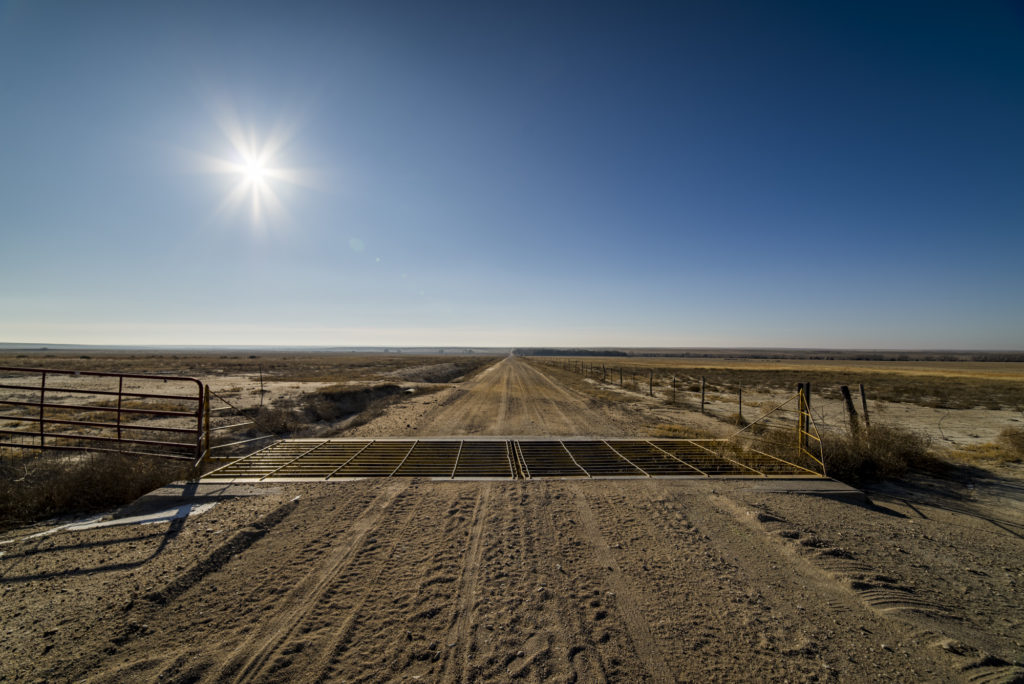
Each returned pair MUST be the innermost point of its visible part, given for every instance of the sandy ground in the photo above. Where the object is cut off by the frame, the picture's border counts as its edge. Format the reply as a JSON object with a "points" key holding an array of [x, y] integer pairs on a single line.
{"points": [[557, 580]]}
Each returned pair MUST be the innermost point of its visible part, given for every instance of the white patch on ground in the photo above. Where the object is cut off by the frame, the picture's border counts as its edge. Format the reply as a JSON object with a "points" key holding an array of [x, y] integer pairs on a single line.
{"points": [[182, 511]]}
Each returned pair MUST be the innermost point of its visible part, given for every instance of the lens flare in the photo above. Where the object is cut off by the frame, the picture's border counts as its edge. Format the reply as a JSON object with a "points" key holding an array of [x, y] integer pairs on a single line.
{"points": [[256, 166]]}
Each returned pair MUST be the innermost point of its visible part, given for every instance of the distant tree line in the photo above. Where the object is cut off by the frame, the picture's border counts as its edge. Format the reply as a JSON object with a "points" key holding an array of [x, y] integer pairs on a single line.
{"points": [[569, 352], [813, 355]]}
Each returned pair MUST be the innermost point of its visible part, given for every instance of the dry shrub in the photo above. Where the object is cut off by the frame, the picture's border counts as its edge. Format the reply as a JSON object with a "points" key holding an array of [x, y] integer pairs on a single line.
{"points": [[880, 453], [1013, 440], [52, 484], [327, 408], [1008, 448], [334, 403], [326, 405], [673, 431]]}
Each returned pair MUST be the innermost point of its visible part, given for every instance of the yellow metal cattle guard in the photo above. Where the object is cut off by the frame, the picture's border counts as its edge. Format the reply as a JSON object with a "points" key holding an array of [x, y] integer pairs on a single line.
{"points": [[454, 458]]}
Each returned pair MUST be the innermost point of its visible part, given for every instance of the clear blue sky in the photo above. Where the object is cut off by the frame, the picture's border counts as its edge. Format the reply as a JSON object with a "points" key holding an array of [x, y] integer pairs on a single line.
{"points": [[513, 173]]}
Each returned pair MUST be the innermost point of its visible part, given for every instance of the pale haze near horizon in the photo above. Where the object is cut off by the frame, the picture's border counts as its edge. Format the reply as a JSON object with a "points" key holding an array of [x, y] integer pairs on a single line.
{"points": [[841, 175]]}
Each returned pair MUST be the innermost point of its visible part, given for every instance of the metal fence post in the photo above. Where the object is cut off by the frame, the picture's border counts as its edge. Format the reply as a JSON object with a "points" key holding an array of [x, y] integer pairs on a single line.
{"points": [[42, 403], [120, 396], [199, 423], [207, 411], [799, 414]]}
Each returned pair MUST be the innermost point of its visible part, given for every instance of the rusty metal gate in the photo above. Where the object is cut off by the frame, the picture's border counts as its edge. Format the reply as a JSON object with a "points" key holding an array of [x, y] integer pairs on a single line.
{"points": [[43, 409]]}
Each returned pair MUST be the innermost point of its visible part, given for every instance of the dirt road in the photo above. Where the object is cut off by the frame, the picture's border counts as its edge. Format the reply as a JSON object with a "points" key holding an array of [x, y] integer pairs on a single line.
{"points": [[549, 580], [511, 397]]}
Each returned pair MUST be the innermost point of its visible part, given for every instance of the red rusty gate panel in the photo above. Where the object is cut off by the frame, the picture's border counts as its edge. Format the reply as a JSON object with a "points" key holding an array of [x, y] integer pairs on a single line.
{"points": [[45, 409]]}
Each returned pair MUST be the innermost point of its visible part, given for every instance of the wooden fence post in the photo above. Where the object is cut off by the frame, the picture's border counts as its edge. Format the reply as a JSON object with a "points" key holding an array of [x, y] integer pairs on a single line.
{"points": [[851, 412], [702, 384], [740, 392], [673, 389], [650, 386], [864, 405], [620, 376]]}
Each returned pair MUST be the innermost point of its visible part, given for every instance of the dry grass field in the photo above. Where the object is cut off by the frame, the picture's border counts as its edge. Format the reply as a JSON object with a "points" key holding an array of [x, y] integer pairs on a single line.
{"points": [[957, 406], [410, 579]]}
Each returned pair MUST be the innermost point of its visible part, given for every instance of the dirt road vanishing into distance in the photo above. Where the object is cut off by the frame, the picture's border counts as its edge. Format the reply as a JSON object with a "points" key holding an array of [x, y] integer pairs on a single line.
{"points": [[511, 397], [547, 580]]}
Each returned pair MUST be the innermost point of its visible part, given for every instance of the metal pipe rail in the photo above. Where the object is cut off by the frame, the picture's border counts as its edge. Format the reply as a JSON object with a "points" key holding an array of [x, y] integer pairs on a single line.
{"points": [[125, 432]]}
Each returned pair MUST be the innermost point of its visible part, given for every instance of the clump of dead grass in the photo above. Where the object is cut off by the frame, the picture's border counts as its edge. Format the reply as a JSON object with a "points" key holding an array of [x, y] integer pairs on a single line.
{"points": [[54, 484], [737, 419], [1013, 440], [1007, 448], [879, 453], [673, 431]]}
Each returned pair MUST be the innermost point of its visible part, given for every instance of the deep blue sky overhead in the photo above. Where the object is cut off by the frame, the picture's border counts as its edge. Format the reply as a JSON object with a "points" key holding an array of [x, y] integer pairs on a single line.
{"points": [[513, 173]]}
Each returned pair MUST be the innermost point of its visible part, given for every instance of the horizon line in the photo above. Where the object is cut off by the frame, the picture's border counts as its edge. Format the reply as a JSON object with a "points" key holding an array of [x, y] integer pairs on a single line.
{"points": [[46, 346]]}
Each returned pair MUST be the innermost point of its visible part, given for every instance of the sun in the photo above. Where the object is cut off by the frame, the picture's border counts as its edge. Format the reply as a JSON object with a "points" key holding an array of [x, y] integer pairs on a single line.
{"points": [[254, 165], [254, 171]]}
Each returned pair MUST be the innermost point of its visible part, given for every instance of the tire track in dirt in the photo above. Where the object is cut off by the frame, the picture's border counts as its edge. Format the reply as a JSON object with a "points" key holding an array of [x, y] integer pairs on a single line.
{"points": [[323, 669], [530, 621], [244, 664], [506, 636], [467, 593], [587, 606], [406, 617], [925, 621], [626, 596], [800, 606], [620, 427], [222, 554], [546, 397], [534, 413], [577, 421], [504, 400], [160, 644], [882, 593], [693, 599], [482, 404]]}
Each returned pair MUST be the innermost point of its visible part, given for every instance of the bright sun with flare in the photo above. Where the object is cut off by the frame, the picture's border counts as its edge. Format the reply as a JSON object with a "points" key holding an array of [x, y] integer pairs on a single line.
{"points": [[254, 171], [257, 176]]}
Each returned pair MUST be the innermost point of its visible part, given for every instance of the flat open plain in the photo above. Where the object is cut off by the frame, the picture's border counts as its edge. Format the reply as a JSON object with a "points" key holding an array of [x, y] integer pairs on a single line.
{"points": [[544, 580]]}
